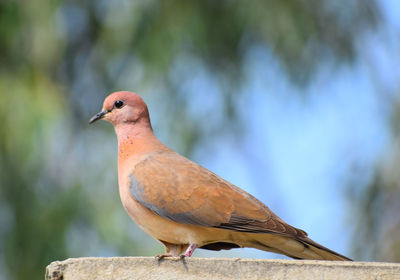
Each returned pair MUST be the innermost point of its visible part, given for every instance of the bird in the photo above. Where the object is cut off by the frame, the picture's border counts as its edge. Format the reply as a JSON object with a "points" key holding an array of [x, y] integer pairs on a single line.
{"points": [[186, 206]]}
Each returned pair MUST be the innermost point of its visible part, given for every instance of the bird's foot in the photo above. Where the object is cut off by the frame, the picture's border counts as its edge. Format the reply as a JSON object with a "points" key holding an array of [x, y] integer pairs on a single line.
{"points": [[189, 251], [161, 256]]}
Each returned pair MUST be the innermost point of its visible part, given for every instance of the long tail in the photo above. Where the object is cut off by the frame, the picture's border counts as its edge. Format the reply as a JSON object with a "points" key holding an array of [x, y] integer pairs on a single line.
{"points": [[325, 253], [296, 247]]}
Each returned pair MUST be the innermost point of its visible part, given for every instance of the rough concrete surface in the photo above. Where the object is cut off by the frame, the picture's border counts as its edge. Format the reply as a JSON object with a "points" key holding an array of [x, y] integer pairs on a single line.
{"points": [[208, 268]]}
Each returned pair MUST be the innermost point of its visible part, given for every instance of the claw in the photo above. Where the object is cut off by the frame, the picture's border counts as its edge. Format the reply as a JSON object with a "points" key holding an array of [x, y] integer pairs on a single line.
{"points": [[161, 256]]}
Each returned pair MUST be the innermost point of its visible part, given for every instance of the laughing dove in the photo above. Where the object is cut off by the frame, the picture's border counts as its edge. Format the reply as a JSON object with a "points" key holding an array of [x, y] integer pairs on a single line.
{"points": [[184, 205]]}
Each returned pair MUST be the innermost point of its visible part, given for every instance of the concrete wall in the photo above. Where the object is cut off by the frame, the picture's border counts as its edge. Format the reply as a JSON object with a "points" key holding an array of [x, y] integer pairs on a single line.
{"points": [[199, 268]]}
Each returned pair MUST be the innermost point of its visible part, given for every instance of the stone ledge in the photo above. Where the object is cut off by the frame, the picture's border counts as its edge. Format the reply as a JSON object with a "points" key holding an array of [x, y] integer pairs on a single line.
{"points": [[215, 268]]}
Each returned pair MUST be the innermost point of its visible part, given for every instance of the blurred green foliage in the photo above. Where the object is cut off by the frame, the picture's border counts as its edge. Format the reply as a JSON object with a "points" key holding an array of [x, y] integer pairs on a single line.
{"points": [[58, 59], [377, 207]]}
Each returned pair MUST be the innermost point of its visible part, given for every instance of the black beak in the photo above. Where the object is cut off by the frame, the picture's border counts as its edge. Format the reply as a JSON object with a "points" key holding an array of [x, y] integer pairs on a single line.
{"points": [[98, 116]]}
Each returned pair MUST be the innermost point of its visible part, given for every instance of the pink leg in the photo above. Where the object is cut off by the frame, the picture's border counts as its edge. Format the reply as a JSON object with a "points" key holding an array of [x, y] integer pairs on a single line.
{"points": [[190, 250]]}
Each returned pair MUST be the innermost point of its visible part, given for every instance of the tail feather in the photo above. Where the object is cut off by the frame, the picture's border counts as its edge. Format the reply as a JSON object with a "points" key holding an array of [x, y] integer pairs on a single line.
{"points": [[296, 247], [325, 253]]}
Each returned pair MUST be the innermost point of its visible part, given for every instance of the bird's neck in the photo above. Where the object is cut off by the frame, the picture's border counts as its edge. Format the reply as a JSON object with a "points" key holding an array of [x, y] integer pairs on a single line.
{"points": [[136, 140]]}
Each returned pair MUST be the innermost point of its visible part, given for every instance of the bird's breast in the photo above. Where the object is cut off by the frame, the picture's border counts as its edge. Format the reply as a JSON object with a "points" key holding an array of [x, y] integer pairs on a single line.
{"points": [[153, 224]]}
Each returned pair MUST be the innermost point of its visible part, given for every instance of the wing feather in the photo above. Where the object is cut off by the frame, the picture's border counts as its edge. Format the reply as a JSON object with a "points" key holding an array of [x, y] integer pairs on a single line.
{"points": [[185, 192]]}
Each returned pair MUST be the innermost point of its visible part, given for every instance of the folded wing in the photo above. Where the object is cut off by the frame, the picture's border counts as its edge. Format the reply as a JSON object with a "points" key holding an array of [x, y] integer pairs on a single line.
{"points": [[184, 192]]}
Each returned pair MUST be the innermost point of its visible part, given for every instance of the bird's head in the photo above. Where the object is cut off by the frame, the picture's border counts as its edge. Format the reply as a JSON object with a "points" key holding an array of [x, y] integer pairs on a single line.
{"points": [[122, 107]]}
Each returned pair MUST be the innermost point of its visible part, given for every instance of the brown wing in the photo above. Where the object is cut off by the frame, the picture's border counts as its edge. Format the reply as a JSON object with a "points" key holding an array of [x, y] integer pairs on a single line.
{"points": [[183, 191]]}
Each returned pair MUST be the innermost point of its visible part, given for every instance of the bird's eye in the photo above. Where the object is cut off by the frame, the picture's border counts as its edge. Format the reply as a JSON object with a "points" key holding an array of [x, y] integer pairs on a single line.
{"points": [[118, 104]]}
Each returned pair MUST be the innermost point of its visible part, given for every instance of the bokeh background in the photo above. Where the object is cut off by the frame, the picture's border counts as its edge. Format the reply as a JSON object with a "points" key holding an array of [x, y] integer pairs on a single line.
{"points": [[297, 102]]}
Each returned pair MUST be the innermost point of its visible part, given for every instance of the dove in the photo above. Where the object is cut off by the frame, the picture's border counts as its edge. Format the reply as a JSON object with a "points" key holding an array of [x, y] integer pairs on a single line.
{"points": [[186, 206]]}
